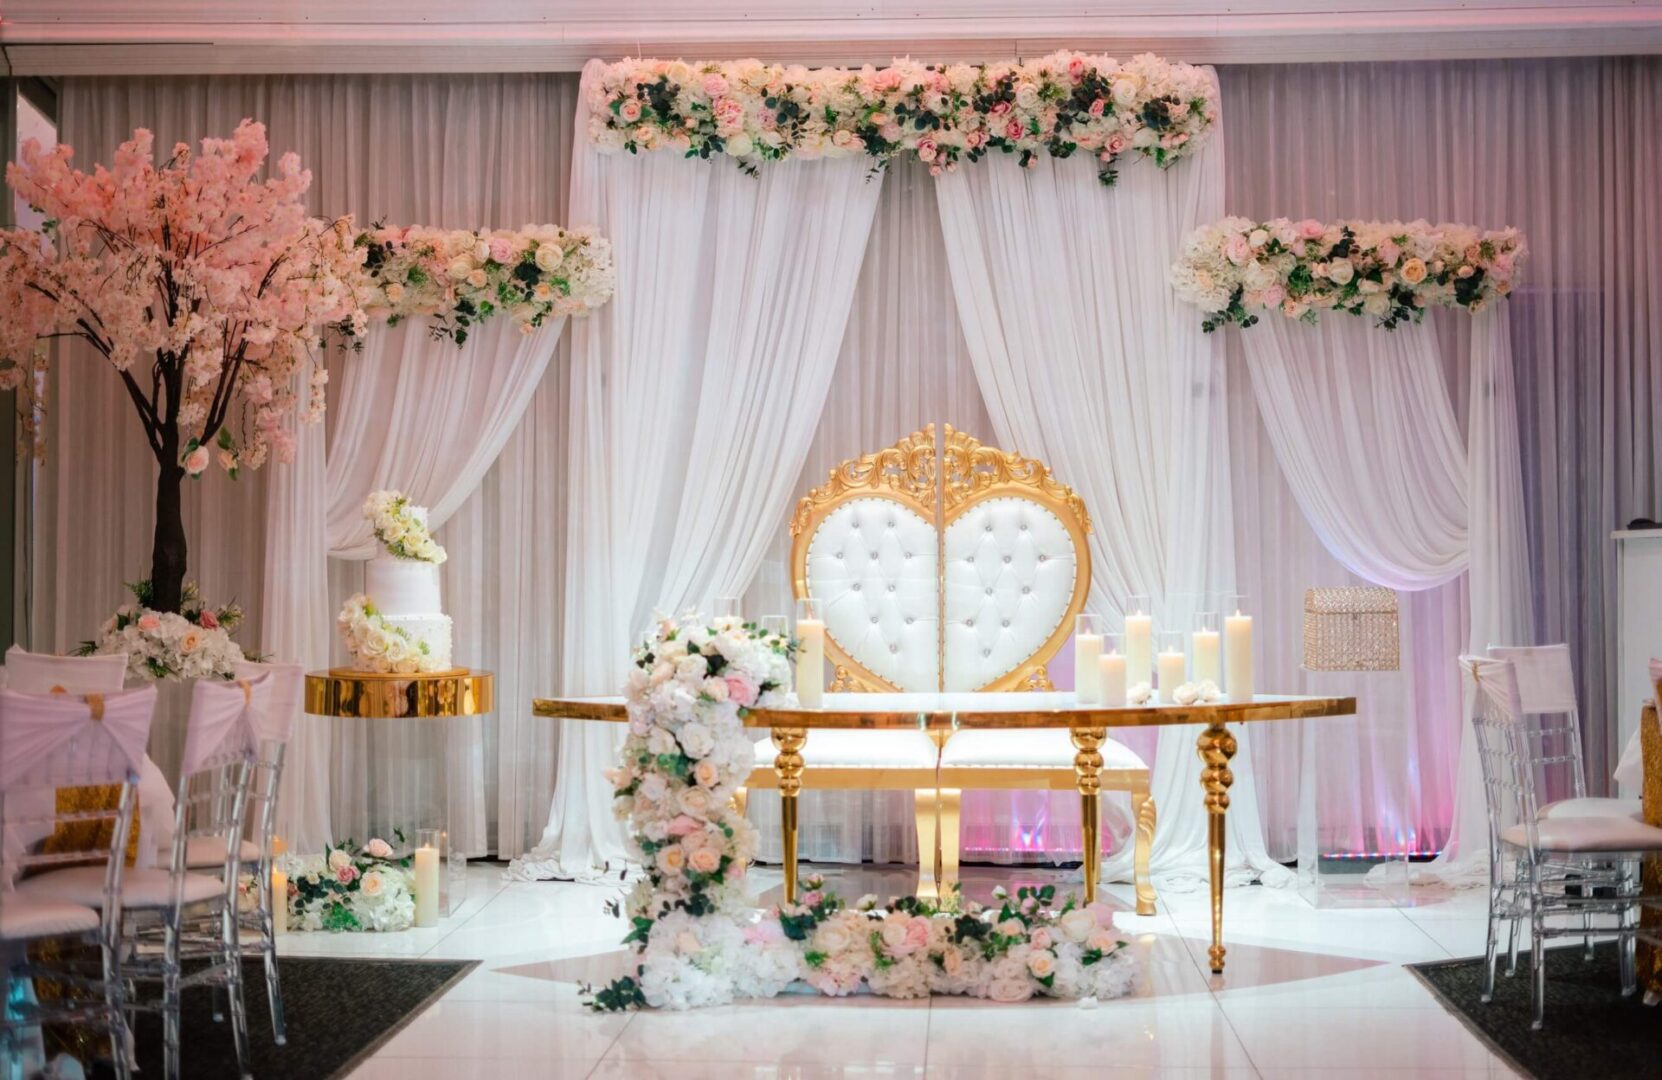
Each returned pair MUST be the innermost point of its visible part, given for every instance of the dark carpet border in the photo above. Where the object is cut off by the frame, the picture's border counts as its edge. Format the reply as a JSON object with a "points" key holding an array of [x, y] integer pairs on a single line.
{"points": [[1465, 1020], [352, 1063]]}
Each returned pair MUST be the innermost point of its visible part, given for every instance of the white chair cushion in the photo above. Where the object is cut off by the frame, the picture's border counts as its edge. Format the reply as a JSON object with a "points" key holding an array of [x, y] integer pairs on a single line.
{"points": [[1050, 748], [139, 888], [1565, 809], [204, 852], [22, 919], [871, 563], [1589, 834], [859, 750], [1010, 569]]}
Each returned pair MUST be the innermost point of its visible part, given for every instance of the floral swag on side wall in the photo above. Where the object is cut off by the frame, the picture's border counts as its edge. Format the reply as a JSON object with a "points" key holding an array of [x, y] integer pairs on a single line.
{"points": [[1390, 271], [943, 113], [699, 936]]}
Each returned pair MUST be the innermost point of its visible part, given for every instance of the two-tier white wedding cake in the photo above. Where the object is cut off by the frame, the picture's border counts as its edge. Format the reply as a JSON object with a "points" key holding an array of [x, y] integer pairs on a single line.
{"points": [[398, 624]]}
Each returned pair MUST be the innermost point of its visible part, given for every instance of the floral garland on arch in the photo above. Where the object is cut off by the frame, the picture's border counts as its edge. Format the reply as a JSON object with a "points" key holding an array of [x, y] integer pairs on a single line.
{"points": [[943, 113], [700, 938], [1390, 271]]}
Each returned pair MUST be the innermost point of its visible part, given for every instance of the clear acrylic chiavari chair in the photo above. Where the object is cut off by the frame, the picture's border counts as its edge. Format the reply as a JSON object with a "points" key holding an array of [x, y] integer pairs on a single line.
{"points": [[51, 741], [1543, 868]]}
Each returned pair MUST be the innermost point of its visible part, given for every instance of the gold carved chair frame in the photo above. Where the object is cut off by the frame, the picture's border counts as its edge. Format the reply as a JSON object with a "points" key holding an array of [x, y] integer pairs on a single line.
{"points": [[940, 483]]}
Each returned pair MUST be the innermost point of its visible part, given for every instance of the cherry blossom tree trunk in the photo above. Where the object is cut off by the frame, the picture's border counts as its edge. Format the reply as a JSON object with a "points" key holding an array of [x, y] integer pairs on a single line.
{"points": [[168, 549]]}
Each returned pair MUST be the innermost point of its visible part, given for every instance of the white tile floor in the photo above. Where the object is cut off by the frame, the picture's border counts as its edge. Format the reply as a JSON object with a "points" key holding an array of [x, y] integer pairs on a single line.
{"points": [[1308, 993]]}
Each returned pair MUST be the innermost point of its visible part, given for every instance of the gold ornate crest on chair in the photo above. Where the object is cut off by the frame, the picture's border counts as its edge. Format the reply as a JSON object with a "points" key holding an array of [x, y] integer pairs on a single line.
{"points": [[965, 576]]}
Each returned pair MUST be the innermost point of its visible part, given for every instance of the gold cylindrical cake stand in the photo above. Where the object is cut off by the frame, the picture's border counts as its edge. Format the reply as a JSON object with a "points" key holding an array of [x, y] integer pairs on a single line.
{"points": [[368, 695]]}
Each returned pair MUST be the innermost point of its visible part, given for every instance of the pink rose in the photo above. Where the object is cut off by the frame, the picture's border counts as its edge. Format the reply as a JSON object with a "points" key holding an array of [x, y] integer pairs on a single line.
{"points": [[926, 150], [629, 111], [1274, 295], [714, 84], [917, 933], [812, 899], [1310, 229], [1389, 253], [999, 110], [502, 249], [766, 932], [1012, 130], [1098, 107], [1104, 914], [1040, 938], [196, 461], [683, 825], [149, 622], [346, 875], [1076, 67], [1116, 143], [741, 691], [207, 620], [1238, 250], [378, 848]]}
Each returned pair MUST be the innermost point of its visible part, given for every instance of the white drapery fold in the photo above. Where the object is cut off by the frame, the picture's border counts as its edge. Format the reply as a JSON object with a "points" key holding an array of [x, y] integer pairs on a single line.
{"points": [[695, 396], [427, 418], [1087, 361], [1365, 432]]}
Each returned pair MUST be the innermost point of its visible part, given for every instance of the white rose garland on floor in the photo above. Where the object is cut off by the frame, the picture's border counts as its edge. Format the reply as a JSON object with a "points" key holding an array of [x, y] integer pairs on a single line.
{"points": [[1390, 271], [348, 888], [702, 941], [943, 113]]}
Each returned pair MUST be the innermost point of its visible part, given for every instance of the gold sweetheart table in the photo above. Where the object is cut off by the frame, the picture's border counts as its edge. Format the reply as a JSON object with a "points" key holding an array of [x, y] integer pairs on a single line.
{"points": [[942, 713]]}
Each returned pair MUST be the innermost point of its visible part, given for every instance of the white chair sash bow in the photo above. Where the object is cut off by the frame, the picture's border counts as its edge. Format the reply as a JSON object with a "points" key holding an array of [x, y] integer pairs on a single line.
{"points": [[57, 740], [226, 721]]}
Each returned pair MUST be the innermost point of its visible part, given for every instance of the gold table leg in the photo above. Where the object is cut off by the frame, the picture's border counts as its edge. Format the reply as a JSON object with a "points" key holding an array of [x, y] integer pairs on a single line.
{"points": [[1087, 767], [787, 763], [1216, 746]]}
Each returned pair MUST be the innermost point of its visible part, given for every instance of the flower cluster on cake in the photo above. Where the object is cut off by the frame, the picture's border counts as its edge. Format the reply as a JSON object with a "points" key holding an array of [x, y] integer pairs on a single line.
{"points": [[397, 624]]}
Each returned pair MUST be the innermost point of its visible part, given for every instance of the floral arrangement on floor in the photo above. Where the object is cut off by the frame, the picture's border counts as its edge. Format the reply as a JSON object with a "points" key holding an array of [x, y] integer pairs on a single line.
{"points": [[459, 278], [402, 528], [350, 888], [943, 113], [194, 643], [377, 645], [702, 941], [1390, 271]]}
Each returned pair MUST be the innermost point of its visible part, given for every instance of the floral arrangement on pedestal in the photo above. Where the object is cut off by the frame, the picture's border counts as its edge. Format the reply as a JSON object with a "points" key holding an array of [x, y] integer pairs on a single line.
{"points": [[350, 888], [377, 645], [209, 291], [943, 113], [194, 643], [401, 527], [702, 941], [1390, 271]]}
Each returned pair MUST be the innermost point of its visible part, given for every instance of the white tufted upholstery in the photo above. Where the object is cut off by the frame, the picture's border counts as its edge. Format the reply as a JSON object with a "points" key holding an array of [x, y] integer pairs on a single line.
{"points": [[24, 920], [139, 888], [1049, 748], [1010, 567], [859, 750], [872, 564]]}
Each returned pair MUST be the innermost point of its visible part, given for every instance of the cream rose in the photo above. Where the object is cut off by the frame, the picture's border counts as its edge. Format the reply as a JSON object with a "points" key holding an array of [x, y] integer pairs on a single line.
{"points": [[695, 801], [372, 883], [704, 774], [1413, 271], [672, 860], [339, 860], [1077, 924], [705, 860], [1042, 964], [460, 267], [1340, 271]]}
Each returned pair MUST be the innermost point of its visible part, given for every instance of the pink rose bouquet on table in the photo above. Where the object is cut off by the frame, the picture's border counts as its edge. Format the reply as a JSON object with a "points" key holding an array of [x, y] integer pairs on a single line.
{"points": [[193, 643]]}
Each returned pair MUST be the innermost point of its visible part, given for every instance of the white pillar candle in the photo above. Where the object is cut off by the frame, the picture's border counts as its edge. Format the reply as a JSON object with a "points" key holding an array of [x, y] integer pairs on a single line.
{"points": [[1111, 678], [279, 902], [1087, 685], [427, 886], [1206, 656], [810, 663], [1139, 648], [1171, 674], [1237, 656]]}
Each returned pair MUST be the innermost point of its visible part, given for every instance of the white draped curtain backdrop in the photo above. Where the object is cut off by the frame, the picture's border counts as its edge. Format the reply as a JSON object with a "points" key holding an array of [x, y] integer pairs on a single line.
{"points": [[1491, 143]]}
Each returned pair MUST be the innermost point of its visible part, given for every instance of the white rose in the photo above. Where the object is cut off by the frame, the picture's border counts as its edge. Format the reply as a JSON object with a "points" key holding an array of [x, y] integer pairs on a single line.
{"points": [[1125, 89], [481, 251], [831, 937], [372, 883], [1101, 940], [459, 268], [739, 144], [1077, 924], [1009, 991], [660, 742], [1258, 238], [1340, 271], [1027, 95], [547, 258], [894, 932], [1144, 138], [690, 667], [339, 860], [1042, 964], [697, 740], [1377, 304], [695, 801]]}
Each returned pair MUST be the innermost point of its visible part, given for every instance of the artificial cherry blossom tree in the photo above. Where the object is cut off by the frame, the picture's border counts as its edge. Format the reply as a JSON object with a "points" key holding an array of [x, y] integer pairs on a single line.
{"points": [[206, 289], [209, 291]]}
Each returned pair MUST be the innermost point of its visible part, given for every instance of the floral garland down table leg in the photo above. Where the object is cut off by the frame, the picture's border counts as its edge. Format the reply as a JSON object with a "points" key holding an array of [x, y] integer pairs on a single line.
{"points": [[702, 941]]}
